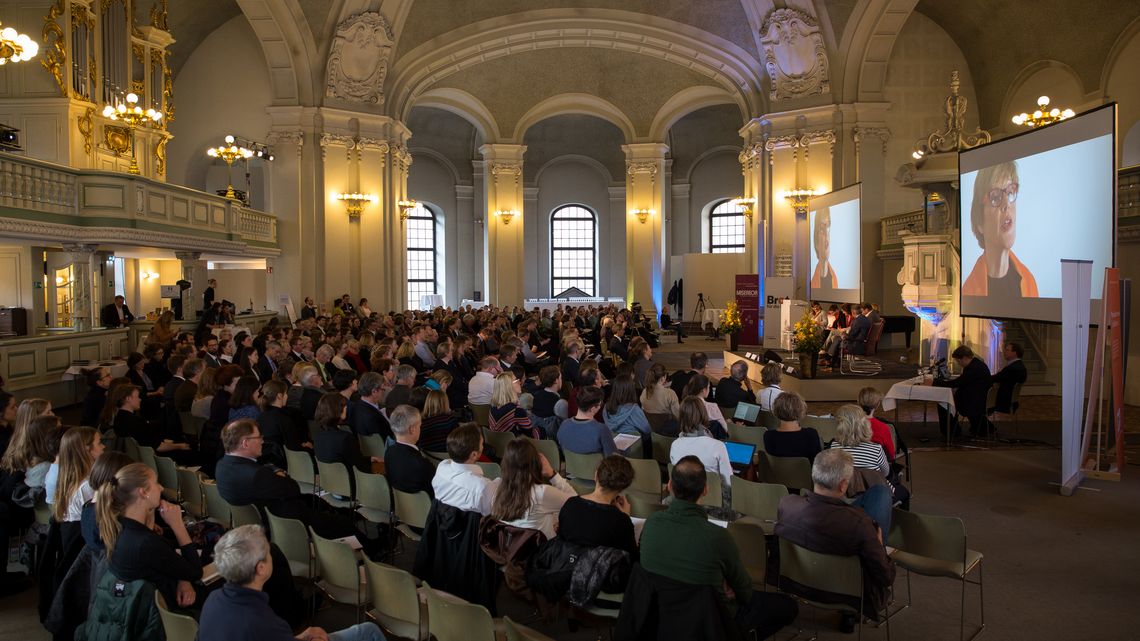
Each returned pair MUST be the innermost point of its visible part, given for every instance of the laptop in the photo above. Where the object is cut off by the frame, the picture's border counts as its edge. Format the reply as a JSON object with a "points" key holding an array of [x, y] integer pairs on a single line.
{"points": [[740, 455], [747, 413]]}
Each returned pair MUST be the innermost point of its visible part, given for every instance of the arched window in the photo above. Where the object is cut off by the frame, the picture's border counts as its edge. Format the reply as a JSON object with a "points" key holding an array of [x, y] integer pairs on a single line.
{"points": [[726, 228], [421, 226], [573, 253]]}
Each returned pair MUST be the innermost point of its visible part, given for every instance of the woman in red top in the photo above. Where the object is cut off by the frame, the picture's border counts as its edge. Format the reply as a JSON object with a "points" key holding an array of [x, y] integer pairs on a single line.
{"points": [[869, 399]]}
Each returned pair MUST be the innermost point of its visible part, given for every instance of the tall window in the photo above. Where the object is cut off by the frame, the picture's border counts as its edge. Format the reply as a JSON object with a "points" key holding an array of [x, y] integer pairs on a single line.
{"points": [[421, 254], [726, 229], [573, 242]]}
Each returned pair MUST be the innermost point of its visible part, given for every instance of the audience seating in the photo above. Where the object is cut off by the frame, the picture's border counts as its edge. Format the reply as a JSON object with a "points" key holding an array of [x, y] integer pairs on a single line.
{"points": [[481, 414], [838, 575], [339, 573], [646, 479], [374, 497], [190, 491], [899, 453], [245, 515], [300, 468], [335, 481], [760, 501], [167, 477], [714, 497], [490, 470], [550, 450], [452, 619], [643, 507], [749, 539], [767, 419], [412, 511], [191, 425], [216, 507], [515, 632], [1014, 404], [827, 426], [793, 472], [292, 537], [373, 445], [498, 441], [936, 546], [661, 446], [657, 422], [178, 627], [396, 605], [131, 448], [147, 456], [747, 434]]}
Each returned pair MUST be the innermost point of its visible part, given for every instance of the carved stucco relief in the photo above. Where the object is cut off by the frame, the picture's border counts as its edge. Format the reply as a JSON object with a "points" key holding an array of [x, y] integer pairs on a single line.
{"points": [[794, 55], [358, 60]]}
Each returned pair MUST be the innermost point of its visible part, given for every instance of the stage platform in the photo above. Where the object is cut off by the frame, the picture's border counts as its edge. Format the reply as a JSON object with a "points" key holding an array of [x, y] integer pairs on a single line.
{"points": [[828, 386]]}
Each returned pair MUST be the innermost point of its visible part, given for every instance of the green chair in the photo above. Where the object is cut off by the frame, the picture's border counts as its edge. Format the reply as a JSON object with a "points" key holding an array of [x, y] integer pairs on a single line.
{"points": [[412, 511], [451, 619], [825, 425], [481, 414], [747, 434], [790, 471], [131, 448], [373, 445], [167, 477], [549, 449], [374, 496], [395, 601], [190, 489], [498, 441], [661, 446], [217, 508], [191, 425], [490, 470], [646, 479], [515, 632], [582, 466], [335, 480], [823, 573], [643, 507], [339, 572], [299, 467], [749, 539], [936, 546], [767, 419], [292, 537], [178, 627], [760, 501], [147, 457], [245, 515]]}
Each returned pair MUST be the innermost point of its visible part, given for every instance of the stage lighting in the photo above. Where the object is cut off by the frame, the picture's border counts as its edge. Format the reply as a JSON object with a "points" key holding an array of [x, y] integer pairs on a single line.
{"points": [[9, 138]]}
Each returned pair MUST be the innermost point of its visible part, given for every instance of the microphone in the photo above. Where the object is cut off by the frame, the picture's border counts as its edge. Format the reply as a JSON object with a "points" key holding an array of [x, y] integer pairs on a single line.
{"points": [[941, 361]]}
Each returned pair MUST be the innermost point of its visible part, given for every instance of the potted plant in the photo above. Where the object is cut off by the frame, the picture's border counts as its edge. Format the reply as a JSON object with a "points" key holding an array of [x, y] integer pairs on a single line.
{"points": [[730, 324], [807, 340]]}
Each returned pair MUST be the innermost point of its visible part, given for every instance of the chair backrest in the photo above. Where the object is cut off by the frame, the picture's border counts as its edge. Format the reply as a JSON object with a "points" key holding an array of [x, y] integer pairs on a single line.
{"points": [[245, 515], [749, 539], [582, 466], [767, 419], [178, 627], [839, 575], [292, 537], [216, 507], [641, 507], [790, 471], [747, 434], [336, 563], [412, 509], [313, 428], [714, 497], [392, 592], [937, 537], [661, 446], [658, 422], [299, 466], [373, 445], [1015, 402], [481, 414], [827, 426], [549, 449], [450, 619], [334, 478], [516, 632], [498, 441], [491, 470], [147, 457], [646, 476], [167, 477], [190, 489], [191, 425], [873, 336], [131, 447], [372, 491], [759, 500]]}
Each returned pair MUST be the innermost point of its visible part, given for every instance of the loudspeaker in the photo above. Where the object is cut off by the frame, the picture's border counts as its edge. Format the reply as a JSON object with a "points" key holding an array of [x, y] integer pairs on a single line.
{"points": [[769, 355]]}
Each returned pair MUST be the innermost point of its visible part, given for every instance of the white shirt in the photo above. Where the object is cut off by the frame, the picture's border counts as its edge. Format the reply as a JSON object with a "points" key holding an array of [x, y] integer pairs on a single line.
{"points": [[480, 387], [767, 396], [713, 410], [546, 502], [463, 487], [75, 504], [713, 454]]}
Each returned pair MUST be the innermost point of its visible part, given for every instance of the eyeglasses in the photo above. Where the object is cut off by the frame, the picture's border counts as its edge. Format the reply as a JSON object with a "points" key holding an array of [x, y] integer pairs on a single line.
{"points": [[1002, 197]]}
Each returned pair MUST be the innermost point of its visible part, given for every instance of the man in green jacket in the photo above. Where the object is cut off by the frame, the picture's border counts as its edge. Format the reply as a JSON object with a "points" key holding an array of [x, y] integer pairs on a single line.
{"points": [[682, 545]]}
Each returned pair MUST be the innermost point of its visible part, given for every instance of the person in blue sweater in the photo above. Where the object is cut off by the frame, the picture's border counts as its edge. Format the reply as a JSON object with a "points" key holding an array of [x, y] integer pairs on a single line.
{"points": [[624, 416]]}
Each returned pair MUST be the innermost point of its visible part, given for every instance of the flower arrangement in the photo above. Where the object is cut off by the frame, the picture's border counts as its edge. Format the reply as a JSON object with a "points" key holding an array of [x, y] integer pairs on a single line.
{"points": [[730, 318], [807, 337]]}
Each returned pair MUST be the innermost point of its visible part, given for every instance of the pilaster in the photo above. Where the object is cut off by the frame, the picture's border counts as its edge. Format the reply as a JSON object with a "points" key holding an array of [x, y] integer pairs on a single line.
{"points": [[503, 180], [645, 185], [193, 270], [81, 259]]}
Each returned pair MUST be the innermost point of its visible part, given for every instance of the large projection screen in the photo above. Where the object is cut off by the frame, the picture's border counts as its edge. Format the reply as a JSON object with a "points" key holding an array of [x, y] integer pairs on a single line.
{"points": [[1027, 203], [835, 274]]}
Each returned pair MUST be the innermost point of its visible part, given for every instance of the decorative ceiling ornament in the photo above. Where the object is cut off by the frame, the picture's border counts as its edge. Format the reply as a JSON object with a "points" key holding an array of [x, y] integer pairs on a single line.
{"points": [[358, 60], [954, 137], [795, 56]]}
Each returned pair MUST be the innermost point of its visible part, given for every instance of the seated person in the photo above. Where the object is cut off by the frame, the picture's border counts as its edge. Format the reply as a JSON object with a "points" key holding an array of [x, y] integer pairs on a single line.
{"points": [[530, 493], [658, 397], [855, 339], [583, 434], [699, 386], [698, 362], [971, 389], [458, 481], [436, 422], [364, 413], [601, 518], [869, 399], [1013, 374], [735, 388], [240, 612], [822, 521], [681, 544], [546, 398], [853, 434], [789, 439], [624, 416], [407, 469], [505, 414], [695, 440], [770, 376], [334, 445]]}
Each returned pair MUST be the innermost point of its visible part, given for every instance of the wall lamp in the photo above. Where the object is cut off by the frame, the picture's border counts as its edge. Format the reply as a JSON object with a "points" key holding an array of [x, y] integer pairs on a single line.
{"points": [[506, 215], [747, 206], [405, 207], [354, 204], [642, 214], [799, 199]]}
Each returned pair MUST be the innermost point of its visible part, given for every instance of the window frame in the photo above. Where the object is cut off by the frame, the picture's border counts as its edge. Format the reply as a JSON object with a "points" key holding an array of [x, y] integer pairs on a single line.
{"points": [[593, 249], [430, 216], [729, 248]]}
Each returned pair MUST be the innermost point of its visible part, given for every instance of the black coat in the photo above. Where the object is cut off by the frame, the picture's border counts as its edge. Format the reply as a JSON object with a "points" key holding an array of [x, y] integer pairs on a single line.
{"points": [[110, 316], [244, 482], [407, 469], [310, 396], [971, 388], [1006, 379], [450, 559], [657, 607], [570, 369], [281, 429], [729, 392], [366, 420], [857, 335]]}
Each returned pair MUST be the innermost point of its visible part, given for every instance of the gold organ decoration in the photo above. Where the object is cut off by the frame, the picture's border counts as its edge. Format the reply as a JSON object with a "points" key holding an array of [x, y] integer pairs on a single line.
{"points": [[133, 116], [160, 156], [158, 15], [86, 127], [55, 58]]}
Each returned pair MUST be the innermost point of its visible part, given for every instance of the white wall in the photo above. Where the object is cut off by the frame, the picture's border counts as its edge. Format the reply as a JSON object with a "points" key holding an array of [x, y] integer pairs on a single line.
{"points": [[715, 177], [713, 275], [239, 286]]}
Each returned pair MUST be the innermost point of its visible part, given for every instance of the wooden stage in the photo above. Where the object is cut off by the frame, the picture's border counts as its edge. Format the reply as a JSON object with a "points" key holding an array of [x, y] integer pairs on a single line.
{"points": [[831, 387]]}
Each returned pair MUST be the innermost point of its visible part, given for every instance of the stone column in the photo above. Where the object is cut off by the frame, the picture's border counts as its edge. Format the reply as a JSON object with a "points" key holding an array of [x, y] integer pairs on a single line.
{"points": [[758, 199], [505, 234], [81, 259], [645, 187], [468, 234], [194, 270]]}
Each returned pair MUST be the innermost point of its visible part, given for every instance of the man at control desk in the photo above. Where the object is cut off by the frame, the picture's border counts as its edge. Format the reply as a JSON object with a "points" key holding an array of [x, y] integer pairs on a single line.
{"points": [[1010, 376], [970, 391]]}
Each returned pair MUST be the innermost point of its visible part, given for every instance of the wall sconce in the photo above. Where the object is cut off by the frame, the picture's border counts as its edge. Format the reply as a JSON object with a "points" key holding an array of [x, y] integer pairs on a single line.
{"points": [[746, 205], [405, 207], [354, 204], [799, 199], [506, 215], [642, 214]]}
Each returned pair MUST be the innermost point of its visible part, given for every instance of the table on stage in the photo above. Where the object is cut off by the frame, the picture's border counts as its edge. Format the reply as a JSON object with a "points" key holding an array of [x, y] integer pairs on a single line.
{"points": [[712, 316], [429, 302], [912, 389]]}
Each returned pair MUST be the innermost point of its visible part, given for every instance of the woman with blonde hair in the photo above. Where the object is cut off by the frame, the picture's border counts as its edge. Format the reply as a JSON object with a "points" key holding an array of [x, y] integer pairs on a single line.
{"points": [[506, 415], [18, 457], [163, 331], [658, 397], [437, 421], [853, 434], [77, 453], [204, 397]]}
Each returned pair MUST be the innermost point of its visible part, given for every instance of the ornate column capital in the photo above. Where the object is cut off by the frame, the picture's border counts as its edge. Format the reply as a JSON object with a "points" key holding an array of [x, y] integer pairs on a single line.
{"points": [[188, 256]]}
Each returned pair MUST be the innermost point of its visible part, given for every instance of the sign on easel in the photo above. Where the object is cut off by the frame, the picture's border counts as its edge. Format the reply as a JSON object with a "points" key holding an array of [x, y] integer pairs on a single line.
{"points": [[1076, 285]]}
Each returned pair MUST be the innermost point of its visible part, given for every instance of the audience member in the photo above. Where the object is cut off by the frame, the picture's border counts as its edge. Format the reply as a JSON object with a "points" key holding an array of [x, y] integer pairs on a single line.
{"points": [[698, 362], [458, 481], [582, 433], [869, 399], [623, 415], [735, 388], [406, 467], [1010, 376], [789, 439], [770, 376], [530, 493], [695, 440], [658, 397], [505, 414], [437, 422], [601, 518], [971, 388]]}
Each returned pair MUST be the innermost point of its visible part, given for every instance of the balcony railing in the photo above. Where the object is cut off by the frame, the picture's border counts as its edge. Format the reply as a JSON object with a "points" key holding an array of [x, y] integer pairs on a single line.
{"points": [[90, 198], [913, 221]]}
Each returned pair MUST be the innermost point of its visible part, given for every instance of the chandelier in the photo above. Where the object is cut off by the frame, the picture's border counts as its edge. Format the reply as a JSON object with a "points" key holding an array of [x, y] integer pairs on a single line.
{"points": [[230, 153], [1043, 115], [133, 116], [16, 47]]}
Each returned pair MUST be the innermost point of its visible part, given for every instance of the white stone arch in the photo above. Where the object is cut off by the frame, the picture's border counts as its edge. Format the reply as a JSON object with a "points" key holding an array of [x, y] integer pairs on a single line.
{"points": [[592, 163], [728, 64], [290, 52], [443, 161], [462, 104], [687, 101], [575, 103], [867, 41]]}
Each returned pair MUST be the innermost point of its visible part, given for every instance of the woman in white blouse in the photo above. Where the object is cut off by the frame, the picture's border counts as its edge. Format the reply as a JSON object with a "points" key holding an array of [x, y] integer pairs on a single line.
{"points": [[77, 453], [695, 440], [529, 493], [770, 378], [699, 386]]}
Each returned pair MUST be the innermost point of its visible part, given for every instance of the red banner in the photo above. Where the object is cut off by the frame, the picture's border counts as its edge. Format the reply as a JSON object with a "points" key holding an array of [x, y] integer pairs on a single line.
{"points": [[748, 302], [1116, 353]]}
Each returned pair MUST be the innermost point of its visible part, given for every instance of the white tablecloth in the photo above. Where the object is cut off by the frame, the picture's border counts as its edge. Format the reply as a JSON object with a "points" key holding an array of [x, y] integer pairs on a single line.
{"points": [[913, 390], [429, 302], [475, 304], [712, 316], [118, 369]]}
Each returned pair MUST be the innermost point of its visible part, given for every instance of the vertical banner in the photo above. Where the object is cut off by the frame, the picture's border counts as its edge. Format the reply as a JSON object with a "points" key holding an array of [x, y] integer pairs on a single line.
{"points": [[748, 302], [1116, 351], [1076, 285]]}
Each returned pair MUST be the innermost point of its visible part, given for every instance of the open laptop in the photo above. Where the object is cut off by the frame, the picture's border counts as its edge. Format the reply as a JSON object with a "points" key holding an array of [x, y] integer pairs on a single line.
{"points": [[740, 455], [747, 413]]}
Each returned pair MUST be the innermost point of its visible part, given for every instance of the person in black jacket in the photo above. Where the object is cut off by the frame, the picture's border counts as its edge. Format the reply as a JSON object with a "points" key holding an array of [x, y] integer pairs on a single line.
{"points": [[281, 427], [117, 314], [698, 361], [970, 391], [735, 388], [364, 415], [128, 423], [1013, 374], [407, 469], [98, 380], [334, 445]]}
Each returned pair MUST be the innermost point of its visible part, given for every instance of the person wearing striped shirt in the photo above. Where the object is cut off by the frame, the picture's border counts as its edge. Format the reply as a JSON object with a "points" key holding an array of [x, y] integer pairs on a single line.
{"points": [[853, 435]]}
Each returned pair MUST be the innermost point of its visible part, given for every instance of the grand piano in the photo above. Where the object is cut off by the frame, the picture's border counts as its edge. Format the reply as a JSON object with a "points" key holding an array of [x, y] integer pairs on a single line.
{"points": [[899, 324]]}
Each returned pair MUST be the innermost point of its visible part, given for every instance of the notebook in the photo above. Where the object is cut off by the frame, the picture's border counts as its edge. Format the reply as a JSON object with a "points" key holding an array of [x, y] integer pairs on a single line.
{"points": [[746, 412], [625, 441], [740, 454]]}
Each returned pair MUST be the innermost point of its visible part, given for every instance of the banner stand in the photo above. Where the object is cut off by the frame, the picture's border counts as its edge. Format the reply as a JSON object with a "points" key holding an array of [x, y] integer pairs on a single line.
{"points": [[1076, 285], [1110, 331]]}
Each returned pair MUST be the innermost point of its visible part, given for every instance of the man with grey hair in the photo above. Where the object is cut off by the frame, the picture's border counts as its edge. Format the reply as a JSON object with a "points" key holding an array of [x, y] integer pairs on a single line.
{"points": [[240, 611], [323, 360], [401, 392], [735, 388], [822, 521], [364, 416], [404, 464]]}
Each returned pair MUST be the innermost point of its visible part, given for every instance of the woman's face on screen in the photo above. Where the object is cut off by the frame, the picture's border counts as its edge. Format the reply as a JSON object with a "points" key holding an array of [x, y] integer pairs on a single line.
{"points": [[823, 237], [1000, 224]]}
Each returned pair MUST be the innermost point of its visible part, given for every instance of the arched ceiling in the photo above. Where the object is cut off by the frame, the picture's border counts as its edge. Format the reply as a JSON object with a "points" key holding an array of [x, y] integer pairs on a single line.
{"points": [[574, 135], [191, 22]]}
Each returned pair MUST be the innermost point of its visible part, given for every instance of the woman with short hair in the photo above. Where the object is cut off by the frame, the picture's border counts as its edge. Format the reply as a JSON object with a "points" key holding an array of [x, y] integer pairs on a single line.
{"points": [[789, 439], [853, 434], [770, 376]]}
